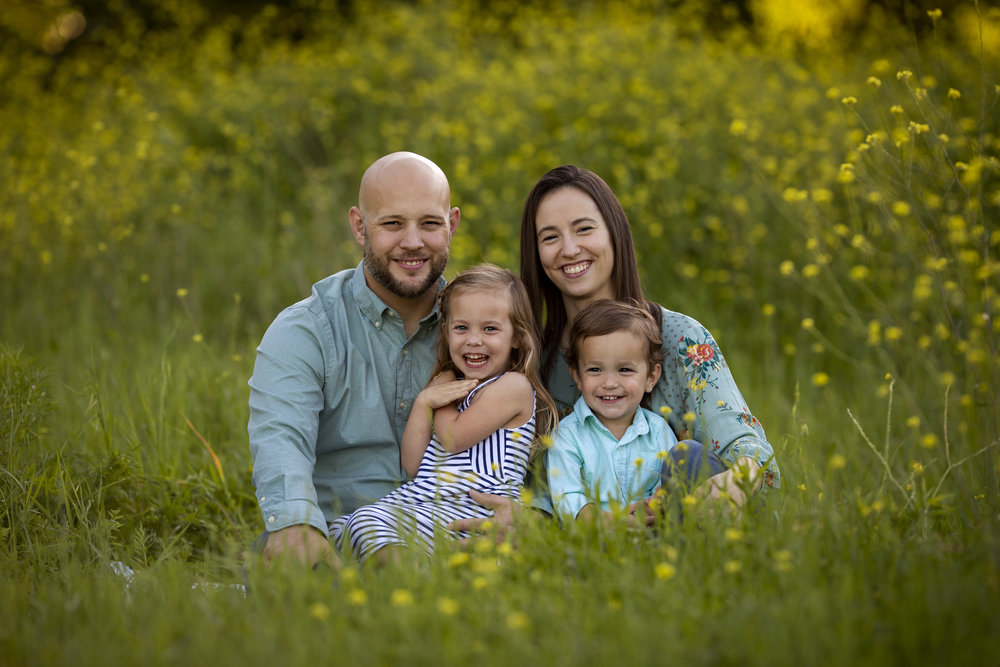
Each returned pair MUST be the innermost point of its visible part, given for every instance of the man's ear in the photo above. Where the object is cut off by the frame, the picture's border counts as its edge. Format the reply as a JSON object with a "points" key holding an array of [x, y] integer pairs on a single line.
{"points": [[454, 215], [357, 224]]}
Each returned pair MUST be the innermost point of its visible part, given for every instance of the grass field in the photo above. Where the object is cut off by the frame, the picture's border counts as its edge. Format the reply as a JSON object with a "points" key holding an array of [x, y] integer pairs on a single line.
{"points": [[820, 189]]}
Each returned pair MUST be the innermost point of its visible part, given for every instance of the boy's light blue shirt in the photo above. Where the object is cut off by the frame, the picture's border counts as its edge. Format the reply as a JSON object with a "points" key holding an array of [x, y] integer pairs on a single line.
{"points": [[586, 463], [331, 391]]}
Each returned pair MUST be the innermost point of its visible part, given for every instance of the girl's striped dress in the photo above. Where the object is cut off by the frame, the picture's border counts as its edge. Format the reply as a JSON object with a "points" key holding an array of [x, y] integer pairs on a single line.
{"points": [[439, 493]]}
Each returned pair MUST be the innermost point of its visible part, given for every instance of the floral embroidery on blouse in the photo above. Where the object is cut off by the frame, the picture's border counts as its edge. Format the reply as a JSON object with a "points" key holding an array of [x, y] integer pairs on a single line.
{"points": [[701, 361], [743, 416]]}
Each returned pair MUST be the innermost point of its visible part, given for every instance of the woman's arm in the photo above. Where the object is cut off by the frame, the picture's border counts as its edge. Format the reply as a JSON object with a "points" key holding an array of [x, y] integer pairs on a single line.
{"points": [[439, 395], [507, 402], [703, 399]]}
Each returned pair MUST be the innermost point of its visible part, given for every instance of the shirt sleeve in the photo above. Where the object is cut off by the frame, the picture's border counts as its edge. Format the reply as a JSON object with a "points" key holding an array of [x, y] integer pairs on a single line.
{"points": [[564, 463], [702, 398], [286, 397]]}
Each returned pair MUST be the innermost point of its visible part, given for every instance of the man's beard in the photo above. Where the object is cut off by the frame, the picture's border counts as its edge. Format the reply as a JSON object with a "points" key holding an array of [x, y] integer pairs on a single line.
{"points": [[379, 266]]}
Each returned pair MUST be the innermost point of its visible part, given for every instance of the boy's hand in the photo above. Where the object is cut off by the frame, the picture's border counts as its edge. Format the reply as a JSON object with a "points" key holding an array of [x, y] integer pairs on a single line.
{"points": [[641, 514]]}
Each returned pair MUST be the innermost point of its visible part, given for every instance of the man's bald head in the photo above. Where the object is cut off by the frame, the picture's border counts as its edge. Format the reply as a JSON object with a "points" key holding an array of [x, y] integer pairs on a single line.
{"points": [[399, 170]]}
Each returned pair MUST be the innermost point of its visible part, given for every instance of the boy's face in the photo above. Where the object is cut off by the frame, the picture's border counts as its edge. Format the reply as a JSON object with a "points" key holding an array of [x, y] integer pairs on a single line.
{"points": [[613, 375]]}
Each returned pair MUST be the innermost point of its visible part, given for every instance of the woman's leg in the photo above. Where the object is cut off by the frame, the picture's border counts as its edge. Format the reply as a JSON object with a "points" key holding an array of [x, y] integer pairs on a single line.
{"points": [[690, 463]]}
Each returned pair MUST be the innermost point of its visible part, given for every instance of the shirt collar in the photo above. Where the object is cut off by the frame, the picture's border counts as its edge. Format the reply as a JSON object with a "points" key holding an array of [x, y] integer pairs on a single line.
{"points": [[639, 425], [374, 308]]}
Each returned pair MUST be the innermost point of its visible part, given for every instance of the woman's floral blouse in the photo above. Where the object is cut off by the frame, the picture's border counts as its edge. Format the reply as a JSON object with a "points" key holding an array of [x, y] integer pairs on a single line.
{"points": [[697, 395]]}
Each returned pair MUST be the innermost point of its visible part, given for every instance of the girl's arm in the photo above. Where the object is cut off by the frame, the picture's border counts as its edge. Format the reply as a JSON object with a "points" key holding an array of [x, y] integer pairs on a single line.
{"points": [[442, 391], [507, 402]]}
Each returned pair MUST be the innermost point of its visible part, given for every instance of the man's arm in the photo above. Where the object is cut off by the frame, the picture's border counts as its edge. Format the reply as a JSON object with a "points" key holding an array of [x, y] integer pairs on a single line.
{"points": [[286, 397]]}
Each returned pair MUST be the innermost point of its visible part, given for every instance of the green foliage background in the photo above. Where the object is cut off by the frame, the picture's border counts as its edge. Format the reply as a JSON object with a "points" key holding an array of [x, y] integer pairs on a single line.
{"points": [[827, 208]]}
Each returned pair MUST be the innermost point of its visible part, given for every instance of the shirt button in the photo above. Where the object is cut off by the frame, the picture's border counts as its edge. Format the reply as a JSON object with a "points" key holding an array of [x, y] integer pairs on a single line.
{"points": [[263, 498], [270, 519], [378, 325], [402, 404], [405, 351]]}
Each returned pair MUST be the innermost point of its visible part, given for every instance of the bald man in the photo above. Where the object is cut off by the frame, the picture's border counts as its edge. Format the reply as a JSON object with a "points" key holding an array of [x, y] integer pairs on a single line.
{"points": [[336, 373]]}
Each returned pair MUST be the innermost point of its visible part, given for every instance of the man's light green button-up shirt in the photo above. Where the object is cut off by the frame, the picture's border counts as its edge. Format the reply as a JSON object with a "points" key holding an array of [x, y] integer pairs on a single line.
{"points": [[331, 391]]}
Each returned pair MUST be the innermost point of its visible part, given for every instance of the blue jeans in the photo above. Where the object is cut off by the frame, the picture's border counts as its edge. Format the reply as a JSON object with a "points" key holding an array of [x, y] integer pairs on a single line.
{"points": [[688, 465]]}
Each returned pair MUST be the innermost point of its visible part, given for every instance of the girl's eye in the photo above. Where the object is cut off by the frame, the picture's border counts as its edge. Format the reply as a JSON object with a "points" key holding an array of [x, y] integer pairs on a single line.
{"points": [[491, 329], [459, 327], [626, 371]]}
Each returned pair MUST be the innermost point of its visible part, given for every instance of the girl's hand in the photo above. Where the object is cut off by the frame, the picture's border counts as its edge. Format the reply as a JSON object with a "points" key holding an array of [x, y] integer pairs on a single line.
{"points": [[444, 390]]}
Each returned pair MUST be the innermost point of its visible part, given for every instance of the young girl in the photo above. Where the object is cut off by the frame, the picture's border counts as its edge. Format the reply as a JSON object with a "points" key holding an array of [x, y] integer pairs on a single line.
{"points": [[609, 452], [472, 427]]}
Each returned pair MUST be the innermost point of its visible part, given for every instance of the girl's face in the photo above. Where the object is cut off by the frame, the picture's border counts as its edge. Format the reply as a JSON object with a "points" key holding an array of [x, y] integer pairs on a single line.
{"points": [[480, 334], [574, 246], [613, 376]]}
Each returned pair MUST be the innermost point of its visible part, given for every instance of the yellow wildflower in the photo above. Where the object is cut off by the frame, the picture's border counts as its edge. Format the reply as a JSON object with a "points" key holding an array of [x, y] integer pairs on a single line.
{"points": [[518, 620], [448, 606], [665, 571], [401, 598]]}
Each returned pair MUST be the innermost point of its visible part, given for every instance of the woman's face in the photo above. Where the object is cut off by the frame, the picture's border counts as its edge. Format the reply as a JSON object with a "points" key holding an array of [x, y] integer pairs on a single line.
{"points": [[574, 246]]}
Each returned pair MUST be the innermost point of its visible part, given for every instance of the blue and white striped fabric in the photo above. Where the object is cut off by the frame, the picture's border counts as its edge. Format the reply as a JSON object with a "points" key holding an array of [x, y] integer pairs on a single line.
{"points": [[439, 494]]}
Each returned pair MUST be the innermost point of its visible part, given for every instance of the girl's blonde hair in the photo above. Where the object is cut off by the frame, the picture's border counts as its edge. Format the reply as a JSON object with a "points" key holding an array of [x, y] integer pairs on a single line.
{"points": [[525, 355]]}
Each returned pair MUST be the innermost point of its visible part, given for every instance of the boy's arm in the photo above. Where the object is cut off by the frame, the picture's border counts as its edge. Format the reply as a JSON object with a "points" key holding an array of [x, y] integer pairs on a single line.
{"points": [[564, 464]]}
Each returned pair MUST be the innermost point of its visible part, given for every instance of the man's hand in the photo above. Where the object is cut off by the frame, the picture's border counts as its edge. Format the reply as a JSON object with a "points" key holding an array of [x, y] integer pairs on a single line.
{"points": [[301, 544], [504, 511], [732, 486]]}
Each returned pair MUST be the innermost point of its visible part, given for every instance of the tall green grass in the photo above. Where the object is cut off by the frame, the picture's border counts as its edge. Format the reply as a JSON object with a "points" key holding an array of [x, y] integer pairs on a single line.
{"points": [[169, 186]]}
